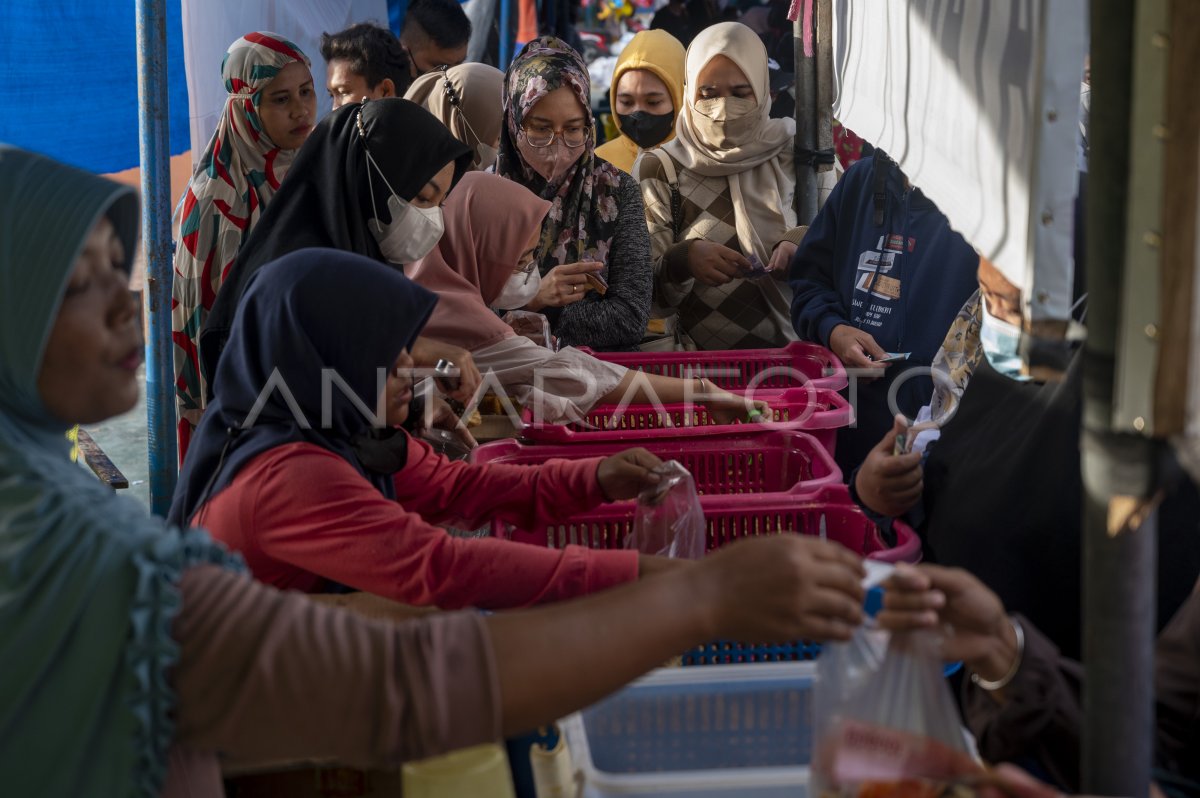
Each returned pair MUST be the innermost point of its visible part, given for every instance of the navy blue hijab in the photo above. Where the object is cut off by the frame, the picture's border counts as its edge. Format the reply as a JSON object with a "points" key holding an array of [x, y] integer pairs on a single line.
{"points": [[310, 311]]}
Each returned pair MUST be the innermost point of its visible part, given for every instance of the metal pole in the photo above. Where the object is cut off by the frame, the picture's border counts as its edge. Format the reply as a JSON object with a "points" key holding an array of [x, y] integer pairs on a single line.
{"points": [[824, 106], [1119, 537], [505, 33], [804, 31], [154, 136]]}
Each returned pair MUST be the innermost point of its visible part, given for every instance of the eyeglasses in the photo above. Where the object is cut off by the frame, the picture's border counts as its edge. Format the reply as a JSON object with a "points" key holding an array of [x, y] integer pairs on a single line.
{"points": [[572, 138], [526, 268]]}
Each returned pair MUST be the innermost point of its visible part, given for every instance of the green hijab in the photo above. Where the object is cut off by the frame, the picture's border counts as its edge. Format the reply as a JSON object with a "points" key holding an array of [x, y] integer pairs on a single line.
{"points": [[88, 581]]}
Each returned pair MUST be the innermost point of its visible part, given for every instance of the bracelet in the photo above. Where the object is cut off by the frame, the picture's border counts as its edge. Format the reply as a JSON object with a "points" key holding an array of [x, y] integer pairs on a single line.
{"points": [[1003, 681]]}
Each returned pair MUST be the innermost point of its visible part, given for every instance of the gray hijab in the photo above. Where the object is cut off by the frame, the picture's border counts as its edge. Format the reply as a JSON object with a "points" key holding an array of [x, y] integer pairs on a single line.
{"points": [[88, 581]]}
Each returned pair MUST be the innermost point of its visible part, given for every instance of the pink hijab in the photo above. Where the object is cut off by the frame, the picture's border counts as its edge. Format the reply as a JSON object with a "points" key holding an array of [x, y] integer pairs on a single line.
{"points": [[489, 223]]}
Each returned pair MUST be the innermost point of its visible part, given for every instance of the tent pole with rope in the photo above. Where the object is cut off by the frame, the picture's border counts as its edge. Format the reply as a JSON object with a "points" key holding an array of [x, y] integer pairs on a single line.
{"points": [[812, 25]]}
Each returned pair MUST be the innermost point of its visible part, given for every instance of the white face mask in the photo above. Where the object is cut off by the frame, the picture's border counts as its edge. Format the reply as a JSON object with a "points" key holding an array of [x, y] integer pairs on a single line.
{"points": [[1001, 342], [413, 232], [519, 290]]}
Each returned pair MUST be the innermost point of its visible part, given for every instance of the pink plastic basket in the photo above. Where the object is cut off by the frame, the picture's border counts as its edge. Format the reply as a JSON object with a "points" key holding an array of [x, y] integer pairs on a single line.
{"points": [[819, 412], [733, 517], [794, 365], [754, 462]]}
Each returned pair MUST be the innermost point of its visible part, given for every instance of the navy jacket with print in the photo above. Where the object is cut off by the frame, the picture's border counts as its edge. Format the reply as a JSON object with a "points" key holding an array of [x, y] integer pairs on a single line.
{"points": [[902, 281]]}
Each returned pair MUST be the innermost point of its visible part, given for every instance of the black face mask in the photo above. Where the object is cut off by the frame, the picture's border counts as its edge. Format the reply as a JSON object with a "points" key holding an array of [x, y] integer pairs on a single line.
{"points": [[382, 451], [646, 129]]}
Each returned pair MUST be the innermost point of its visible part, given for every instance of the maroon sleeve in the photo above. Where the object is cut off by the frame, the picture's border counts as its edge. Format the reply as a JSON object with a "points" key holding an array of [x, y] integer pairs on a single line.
{"points": [[1177, 688], [311, 509], [1039, 716], [444, 491], [269, 676]]}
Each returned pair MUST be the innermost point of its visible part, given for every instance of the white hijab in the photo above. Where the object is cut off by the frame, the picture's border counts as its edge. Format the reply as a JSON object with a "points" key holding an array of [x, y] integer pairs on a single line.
{"points": [[758, 166]]}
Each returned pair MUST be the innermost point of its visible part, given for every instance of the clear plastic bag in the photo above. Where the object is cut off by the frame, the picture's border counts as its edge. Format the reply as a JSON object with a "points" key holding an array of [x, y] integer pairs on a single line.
{"points": [[886, 726], [533, 326], [669, 520]]}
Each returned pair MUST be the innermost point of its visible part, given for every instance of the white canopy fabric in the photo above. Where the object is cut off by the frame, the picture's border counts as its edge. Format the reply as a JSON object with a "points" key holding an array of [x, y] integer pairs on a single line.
{"points": [[979, 103], [210, 26]]}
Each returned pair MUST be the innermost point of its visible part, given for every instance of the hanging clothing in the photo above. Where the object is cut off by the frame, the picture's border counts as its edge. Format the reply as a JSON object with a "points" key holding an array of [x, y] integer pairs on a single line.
{"points": [[88, 582], [489, 223], [660, 53], [527, 22], [847, 146], [472, 106], [234, 180], [596, 212], [882, 258], [733, 188], [327, 201]]}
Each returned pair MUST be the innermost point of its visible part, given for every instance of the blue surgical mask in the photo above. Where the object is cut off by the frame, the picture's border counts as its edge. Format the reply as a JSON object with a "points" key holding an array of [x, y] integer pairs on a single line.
{"points": [[1001, 342]]}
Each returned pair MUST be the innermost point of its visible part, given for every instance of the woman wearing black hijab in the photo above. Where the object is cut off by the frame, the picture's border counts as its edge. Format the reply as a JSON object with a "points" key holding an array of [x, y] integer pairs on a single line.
{"points": [[295, 467], [369, 180]]}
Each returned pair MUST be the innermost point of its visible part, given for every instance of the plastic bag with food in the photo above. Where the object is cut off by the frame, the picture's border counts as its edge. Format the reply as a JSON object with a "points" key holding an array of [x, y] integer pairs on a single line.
{"points": [[887, 728], [669, 520]]}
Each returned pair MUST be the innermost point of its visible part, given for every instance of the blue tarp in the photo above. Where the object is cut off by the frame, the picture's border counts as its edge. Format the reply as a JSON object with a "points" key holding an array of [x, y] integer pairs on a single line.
{"points": [[396, 12], [69, 86]]}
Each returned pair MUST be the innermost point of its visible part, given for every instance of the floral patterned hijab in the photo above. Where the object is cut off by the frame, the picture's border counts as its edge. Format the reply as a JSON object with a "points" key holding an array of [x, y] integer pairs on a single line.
{"points": [[583, 213], [234, 180]]}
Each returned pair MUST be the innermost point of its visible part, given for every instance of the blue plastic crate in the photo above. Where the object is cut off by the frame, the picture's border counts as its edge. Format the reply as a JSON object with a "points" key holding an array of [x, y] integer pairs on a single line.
{"points": [[713, 732]]}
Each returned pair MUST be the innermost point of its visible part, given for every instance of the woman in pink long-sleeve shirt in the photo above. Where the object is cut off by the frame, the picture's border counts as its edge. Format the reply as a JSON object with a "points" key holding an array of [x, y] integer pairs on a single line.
{"points": [[353, 502]]}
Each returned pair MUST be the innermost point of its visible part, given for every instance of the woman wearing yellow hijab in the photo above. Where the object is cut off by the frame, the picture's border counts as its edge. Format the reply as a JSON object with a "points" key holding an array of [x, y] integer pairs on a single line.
{"points": [[646, 95]]}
